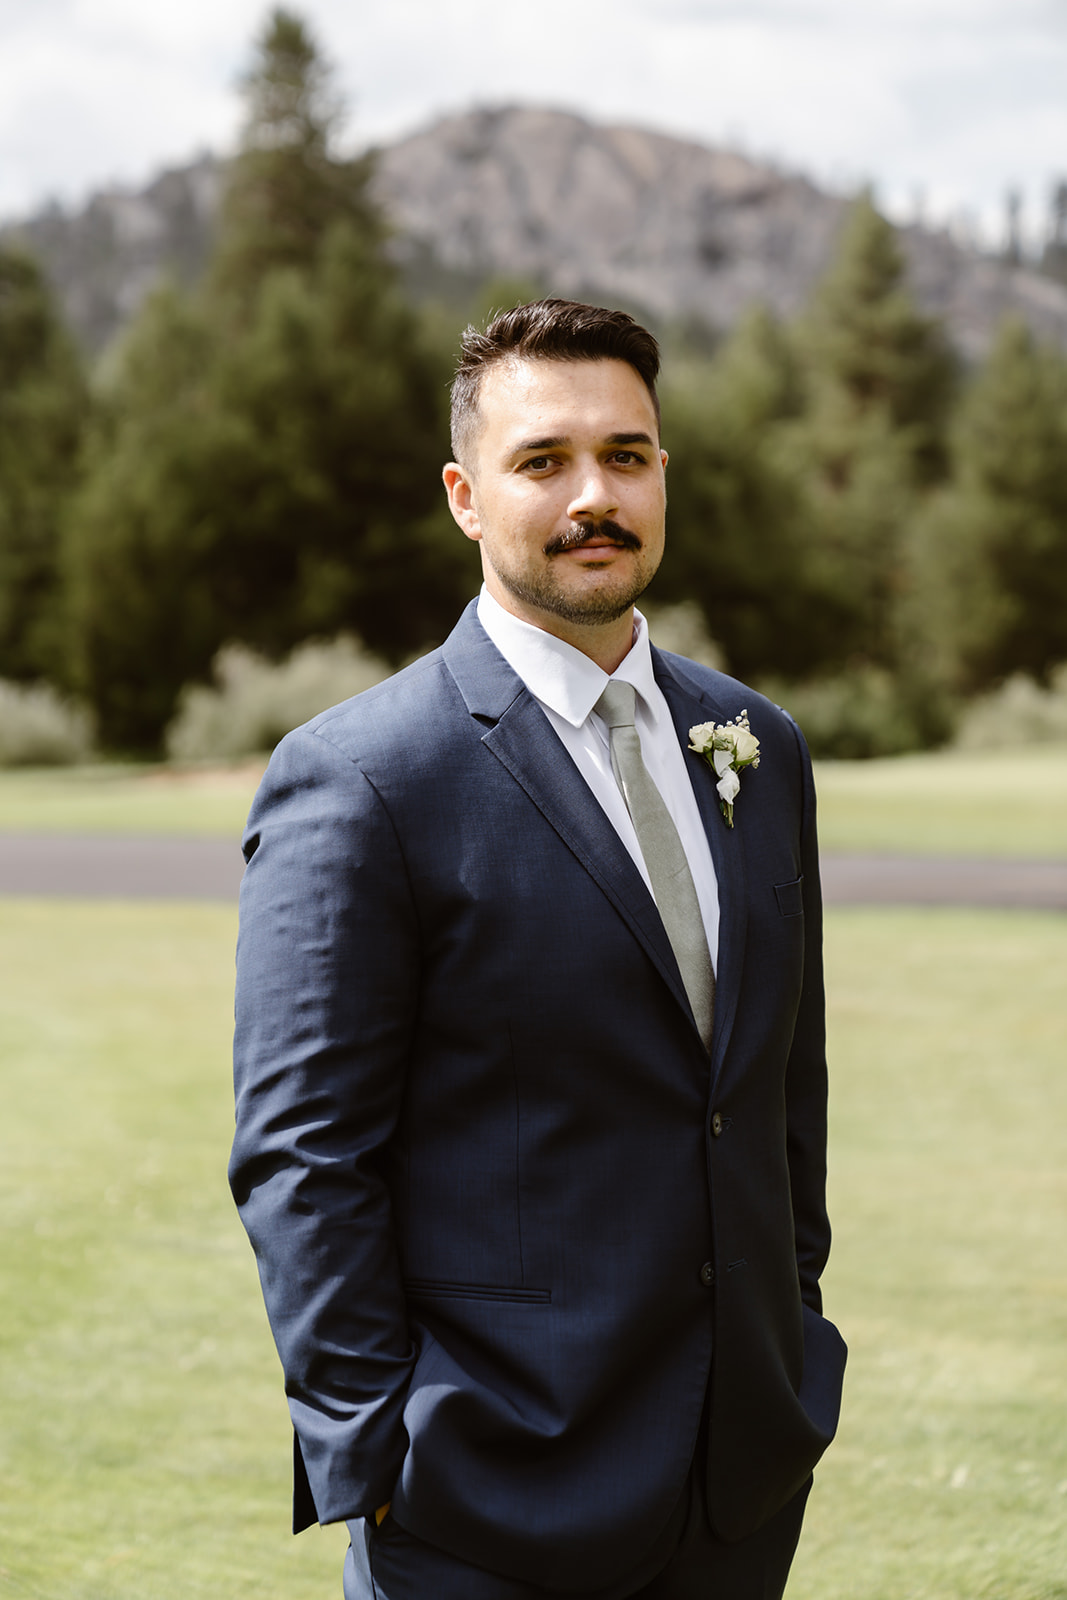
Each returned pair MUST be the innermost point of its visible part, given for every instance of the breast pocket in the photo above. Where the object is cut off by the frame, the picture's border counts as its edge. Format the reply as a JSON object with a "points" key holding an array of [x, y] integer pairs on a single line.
{"points": [[790, 897]]}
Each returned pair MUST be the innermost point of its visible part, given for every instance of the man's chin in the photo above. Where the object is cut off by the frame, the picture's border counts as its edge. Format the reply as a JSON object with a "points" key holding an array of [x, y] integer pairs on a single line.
{"points": [[589, 606]]}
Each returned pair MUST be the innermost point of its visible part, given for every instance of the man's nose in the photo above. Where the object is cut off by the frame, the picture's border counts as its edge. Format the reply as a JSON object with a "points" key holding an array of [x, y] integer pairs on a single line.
{"points": [[594, 497]]}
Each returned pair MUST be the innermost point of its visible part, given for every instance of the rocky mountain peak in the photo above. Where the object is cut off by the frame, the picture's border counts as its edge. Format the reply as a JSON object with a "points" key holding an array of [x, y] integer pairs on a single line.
{"points": [[676, 228], [665, 226]]}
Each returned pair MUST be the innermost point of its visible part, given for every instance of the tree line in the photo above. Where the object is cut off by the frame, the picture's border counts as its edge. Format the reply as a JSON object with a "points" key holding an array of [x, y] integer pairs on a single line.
{"points": [[856, 515]]}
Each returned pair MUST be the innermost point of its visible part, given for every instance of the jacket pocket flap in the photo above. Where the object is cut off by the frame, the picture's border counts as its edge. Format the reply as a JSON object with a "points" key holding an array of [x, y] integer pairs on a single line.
{"points": [[790, 897]]}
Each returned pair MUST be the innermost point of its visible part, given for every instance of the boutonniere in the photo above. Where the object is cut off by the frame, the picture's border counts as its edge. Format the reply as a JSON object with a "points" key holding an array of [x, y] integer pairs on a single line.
{"points": [[729, 747]]}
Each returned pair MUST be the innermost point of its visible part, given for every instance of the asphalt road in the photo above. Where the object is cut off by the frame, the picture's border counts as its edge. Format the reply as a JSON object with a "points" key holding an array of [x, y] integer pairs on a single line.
{"points": [[126, 867], [144, 868]]}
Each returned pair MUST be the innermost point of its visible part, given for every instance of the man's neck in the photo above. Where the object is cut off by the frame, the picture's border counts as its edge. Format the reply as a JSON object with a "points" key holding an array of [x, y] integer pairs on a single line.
{"points": [[606, 643]]}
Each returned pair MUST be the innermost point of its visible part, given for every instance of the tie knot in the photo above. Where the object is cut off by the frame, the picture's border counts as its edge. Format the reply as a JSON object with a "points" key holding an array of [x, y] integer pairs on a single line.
{"points": [[617, 704]]}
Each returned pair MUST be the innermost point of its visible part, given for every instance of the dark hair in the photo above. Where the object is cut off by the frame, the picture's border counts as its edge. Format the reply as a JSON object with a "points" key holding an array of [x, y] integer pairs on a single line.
{"points": [[546, 330]]}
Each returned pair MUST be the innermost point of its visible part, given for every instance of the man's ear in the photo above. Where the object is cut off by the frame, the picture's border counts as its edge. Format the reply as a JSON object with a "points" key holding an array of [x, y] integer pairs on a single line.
{"points": [[460, 492]]}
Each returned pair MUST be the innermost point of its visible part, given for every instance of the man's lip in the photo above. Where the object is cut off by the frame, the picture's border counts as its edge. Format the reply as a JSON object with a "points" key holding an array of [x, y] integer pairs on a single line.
{"points": [[595, 540], [593, 544]]}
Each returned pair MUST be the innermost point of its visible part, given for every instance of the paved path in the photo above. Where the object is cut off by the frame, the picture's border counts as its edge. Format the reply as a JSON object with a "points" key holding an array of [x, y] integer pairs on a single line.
{"points": [[126, 866], [853, 880], [145, 868]]}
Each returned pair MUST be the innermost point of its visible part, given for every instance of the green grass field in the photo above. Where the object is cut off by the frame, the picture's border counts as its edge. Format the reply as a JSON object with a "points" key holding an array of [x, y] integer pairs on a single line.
{"points": [[943, 804], [144, 1444], [947, 804], [948, 1190], [128, 799]]}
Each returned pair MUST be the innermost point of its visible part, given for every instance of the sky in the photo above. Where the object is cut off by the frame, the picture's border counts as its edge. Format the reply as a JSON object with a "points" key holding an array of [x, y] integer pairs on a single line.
{"points": [[943, 105]]}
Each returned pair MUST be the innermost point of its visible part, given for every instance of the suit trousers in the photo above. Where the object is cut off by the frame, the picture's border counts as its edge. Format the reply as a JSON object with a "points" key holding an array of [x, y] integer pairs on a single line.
{"points": [[688, 1561]]}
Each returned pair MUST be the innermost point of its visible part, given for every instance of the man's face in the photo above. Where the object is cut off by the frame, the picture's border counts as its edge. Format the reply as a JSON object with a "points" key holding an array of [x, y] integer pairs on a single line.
{"points": [[566, 492]]}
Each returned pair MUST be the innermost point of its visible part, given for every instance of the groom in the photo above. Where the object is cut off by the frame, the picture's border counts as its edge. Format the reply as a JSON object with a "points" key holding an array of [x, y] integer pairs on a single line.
{"points": [[530, 1070]]}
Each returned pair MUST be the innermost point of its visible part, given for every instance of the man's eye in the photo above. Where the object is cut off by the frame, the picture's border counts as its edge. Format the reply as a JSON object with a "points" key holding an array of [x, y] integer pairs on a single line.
{"points": [[628, 458], [537, 463]]}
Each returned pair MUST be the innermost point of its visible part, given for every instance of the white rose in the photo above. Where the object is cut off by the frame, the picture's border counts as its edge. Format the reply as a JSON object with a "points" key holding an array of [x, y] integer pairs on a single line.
{"points": [[747, 746]]}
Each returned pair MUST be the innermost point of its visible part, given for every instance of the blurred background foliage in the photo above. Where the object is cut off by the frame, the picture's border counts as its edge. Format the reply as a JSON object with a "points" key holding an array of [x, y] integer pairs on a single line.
{"points": [[867, 530]]}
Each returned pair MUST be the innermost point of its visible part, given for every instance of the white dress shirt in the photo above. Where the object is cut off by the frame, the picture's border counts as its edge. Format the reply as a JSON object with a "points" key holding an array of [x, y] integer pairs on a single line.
{"points": [[567, 685]]}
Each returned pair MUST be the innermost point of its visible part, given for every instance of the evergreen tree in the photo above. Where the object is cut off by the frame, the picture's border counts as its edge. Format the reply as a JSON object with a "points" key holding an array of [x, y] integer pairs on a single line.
{"points": [[287, 185], [349, 413], [1013, 228], [1054, 255], [737, 532], [803, 457], [997, 561], [166, 468], [268, 468], [757, 381], [870, 352], [43, 407], [879, 381]]}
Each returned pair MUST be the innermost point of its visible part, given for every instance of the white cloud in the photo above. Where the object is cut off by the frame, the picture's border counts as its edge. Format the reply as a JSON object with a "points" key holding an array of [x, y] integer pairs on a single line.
{"points": [[955, 98]]}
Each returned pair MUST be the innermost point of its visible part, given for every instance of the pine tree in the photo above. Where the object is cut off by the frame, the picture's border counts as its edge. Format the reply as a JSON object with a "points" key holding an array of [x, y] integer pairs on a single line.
{"points": [[43, 408], [348, 411], [288, 186], [757, 380], [870, 353], [804, 455], [736, 540], [269, 466], [998, 537], [872, 440], [1054, 255], [166, 470], [799, 464]]}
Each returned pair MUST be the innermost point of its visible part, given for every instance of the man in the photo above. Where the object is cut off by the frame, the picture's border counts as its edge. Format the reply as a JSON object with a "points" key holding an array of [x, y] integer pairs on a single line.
{"points": [[529, 1055]]}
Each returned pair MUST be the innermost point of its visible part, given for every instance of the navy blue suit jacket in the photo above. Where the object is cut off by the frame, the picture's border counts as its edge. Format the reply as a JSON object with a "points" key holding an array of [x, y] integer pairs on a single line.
{"points": [[481, 1152]]}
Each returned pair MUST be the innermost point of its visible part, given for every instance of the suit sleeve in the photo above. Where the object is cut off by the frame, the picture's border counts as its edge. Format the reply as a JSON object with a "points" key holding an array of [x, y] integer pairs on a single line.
{"points": [[327, 972], [806, 1076]]}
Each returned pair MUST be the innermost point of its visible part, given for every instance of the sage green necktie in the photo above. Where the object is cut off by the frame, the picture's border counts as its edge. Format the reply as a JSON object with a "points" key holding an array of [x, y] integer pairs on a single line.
{"points": [[668, 869]]}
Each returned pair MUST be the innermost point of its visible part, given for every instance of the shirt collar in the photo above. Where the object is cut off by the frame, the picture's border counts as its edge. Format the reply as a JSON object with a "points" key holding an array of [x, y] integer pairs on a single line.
{"points": [[561, 677]]}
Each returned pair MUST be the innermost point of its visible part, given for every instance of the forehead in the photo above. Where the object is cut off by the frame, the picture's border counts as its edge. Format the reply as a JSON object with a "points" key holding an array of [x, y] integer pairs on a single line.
{"points": [[530, 398]]}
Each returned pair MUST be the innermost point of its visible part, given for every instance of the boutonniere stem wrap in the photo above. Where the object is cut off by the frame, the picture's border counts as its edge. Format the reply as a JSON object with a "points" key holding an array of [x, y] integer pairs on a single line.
{"points": [[729, 747]]}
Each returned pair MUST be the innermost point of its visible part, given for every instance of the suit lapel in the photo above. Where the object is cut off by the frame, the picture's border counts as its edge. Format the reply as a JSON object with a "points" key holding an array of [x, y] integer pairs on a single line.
{"points": [[689, 704], [522, 739]]}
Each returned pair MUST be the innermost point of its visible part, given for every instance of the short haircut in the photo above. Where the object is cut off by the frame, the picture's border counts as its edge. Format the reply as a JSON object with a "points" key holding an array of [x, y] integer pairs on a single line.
{"points": [[546, 330]]}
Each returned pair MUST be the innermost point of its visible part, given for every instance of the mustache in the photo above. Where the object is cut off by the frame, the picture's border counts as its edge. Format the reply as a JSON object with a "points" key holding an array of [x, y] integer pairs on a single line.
{"points": [[580, 533]]}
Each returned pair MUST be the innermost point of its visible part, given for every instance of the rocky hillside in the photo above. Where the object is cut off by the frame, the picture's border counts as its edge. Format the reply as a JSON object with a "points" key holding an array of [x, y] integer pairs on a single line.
{"points": [[104, 258], [672, 228]]}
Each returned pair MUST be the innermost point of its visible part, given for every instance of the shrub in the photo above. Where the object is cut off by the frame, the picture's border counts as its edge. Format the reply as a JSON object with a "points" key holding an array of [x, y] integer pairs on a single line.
{"points": [[39, 728], [862, 713], [681, 628], [1020, 712], [255, 702]]}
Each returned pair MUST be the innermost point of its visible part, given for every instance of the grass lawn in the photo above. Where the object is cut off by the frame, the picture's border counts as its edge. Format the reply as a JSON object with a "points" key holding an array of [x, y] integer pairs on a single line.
{"points": [[948, 1480], [947, 804], [941, 804], [144, 1439], [129, 799], [144, 1447]]}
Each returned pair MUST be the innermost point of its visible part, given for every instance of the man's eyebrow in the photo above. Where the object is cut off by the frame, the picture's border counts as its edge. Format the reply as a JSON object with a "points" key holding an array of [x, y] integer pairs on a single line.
{"points": [[554, 442], [631, 438], [559, 440]]}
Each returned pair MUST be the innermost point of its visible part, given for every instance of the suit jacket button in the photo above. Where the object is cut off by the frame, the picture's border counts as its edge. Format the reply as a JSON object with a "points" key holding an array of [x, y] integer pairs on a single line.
{"points": [[707, 1274], [716, 1123]]}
